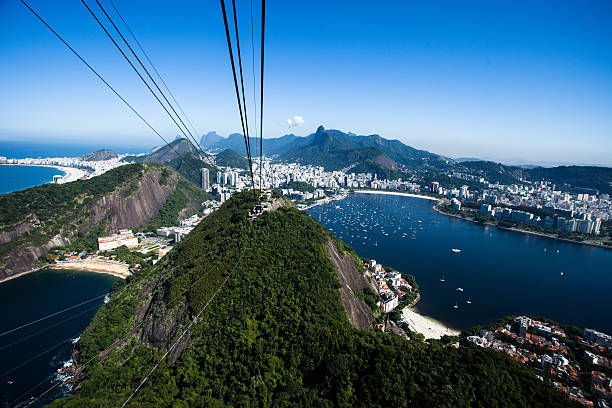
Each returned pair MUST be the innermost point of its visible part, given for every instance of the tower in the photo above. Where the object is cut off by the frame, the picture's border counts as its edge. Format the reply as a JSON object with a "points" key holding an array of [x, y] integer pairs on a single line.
{"points": [[205, 182]]}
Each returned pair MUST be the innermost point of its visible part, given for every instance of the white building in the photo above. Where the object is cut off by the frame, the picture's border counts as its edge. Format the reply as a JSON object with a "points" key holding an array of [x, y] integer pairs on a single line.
{"points": [[125, 237], [205, 182]]}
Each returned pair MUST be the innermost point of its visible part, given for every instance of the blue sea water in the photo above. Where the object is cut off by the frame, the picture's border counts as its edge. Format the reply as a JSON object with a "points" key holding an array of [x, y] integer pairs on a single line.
{"points": [[14, 178], [29, 357], [502, 272]]}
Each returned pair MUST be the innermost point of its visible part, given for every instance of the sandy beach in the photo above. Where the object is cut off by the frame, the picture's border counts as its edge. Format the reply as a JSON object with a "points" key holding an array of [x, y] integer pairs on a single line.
{"points": [[72, 173], [397, 193], [98, 265], [427, 326]]}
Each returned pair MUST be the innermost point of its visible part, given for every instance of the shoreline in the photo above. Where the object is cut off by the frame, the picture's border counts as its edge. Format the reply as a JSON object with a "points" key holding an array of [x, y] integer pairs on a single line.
{"points": [[429, 327], [19, 275], [114, 268], [397, 193], [97, 265], [71, 173], [539, 234]]}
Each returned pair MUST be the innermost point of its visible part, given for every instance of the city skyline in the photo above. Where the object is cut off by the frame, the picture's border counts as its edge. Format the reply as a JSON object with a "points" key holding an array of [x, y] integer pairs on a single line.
{"points": [[528, 82]]}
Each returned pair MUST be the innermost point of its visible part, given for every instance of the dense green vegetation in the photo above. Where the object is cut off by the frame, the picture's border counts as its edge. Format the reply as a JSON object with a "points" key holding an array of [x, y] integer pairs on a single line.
{"points": [[57, 206], [230, 158], [277, 334], [569, 178], [179, 200], [189, 167], [494, 172], [578, 177], [333, 151]]}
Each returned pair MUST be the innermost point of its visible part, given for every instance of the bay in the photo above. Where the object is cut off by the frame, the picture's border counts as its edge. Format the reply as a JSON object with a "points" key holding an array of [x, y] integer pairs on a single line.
{"points": [[29, 357], [15, 178], [501, 272]]}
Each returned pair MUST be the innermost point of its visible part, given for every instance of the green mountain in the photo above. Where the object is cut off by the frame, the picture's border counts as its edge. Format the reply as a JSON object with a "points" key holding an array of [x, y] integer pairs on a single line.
{"points": [[332, 152], [188, 164], [339, 149], [165, 153], [74, 214], [230, 158], [579, 178], [573, 178], [252, 313]]}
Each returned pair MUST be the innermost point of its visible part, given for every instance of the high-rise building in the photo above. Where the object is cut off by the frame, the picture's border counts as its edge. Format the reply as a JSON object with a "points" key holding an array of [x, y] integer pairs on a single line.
{"points": [[435, 187], [205, 175]]}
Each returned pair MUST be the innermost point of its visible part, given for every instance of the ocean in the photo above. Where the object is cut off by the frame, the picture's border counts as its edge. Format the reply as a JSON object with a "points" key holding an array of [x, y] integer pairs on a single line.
{"points": [[14, 178], [502, 272], [29, 357]]}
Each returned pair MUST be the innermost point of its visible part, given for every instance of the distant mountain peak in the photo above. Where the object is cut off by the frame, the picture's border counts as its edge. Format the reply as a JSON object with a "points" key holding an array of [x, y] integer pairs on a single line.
{"points": [[102, 154], [210, 138]]}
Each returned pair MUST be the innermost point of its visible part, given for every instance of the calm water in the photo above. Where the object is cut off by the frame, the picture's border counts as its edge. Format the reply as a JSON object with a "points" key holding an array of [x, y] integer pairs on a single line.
{"points": [[41, 352], [502, 272], [14, 178]]}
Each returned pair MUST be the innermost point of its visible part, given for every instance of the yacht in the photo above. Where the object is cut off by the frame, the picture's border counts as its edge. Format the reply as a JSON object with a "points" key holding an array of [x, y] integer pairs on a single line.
{"points": [[455, 250], [456, 306], [459, 289], [469, 301]]}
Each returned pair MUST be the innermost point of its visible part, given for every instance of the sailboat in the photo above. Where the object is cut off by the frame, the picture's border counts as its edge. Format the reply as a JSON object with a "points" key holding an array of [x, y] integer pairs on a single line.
{"points": [[442, 278], [456, 306], [469, 301]]}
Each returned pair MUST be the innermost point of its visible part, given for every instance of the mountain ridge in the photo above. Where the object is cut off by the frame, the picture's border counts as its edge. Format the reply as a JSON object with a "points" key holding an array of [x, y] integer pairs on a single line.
{"points": [[277, 334], [76, 213]]}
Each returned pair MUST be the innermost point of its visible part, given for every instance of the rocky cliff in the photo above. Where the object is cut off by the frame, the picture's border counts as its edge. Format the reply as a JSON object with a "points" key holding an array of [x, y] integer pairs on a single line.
{"points": [[249, 312], [127, 197]]}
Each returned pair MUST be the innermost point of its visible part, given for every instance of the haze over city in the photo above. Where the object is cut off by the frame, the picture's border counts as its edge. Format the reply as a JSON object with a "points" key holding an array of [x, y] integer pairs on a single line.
{"points": [[514, 82]]}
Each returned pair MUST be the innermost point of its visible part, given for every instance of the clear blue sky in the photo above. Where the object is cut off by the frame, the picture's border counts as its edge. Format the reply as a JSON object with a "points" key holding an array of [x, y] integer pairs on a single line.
{"points": [[505, 80]]}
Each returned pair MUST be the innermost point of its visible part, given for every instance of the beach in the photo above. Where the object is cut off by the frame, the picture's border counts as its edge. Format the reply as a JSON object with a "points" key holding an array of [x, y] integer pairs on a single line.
{"points": [[397, 193], [72, 173], [98, 265], [427, 326]]}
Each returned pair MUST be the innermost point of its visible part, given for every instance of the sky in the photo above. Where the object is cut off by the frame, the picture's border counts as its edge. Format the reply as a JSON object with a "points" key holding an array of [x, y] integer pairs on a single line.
{"points": [[514, 81]]}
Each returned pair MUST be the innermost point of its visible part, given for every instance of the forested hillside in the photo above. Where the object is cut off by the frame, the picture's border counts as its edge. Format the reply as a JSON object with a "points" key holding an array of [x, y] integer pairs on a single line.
{"points": [[275, 335], [230, 158], [35, 220], [180, 155]]}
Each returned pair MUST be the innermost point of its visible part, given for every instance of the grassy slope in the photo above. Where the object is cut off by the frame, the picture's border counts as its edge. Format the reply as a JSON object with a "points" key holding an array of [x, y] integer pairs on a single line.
{"points": [[277, 334]]}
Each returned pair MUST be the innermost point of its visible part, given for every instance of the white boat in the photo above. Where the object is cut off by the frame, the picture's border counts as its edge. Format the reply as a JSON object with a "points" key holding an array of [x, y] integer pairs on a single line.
{"points": [[442, 278], [459, 289], [456, 306], [455, 250], [469, 301]]}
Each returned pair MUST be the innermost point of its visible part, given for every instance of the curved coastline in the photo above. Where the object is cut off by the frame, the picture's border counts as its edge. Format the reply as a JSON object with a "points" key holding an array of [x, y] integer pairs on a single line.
{"points": [[70, 173], [539, 234], [438, 210], [117, 269]]}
